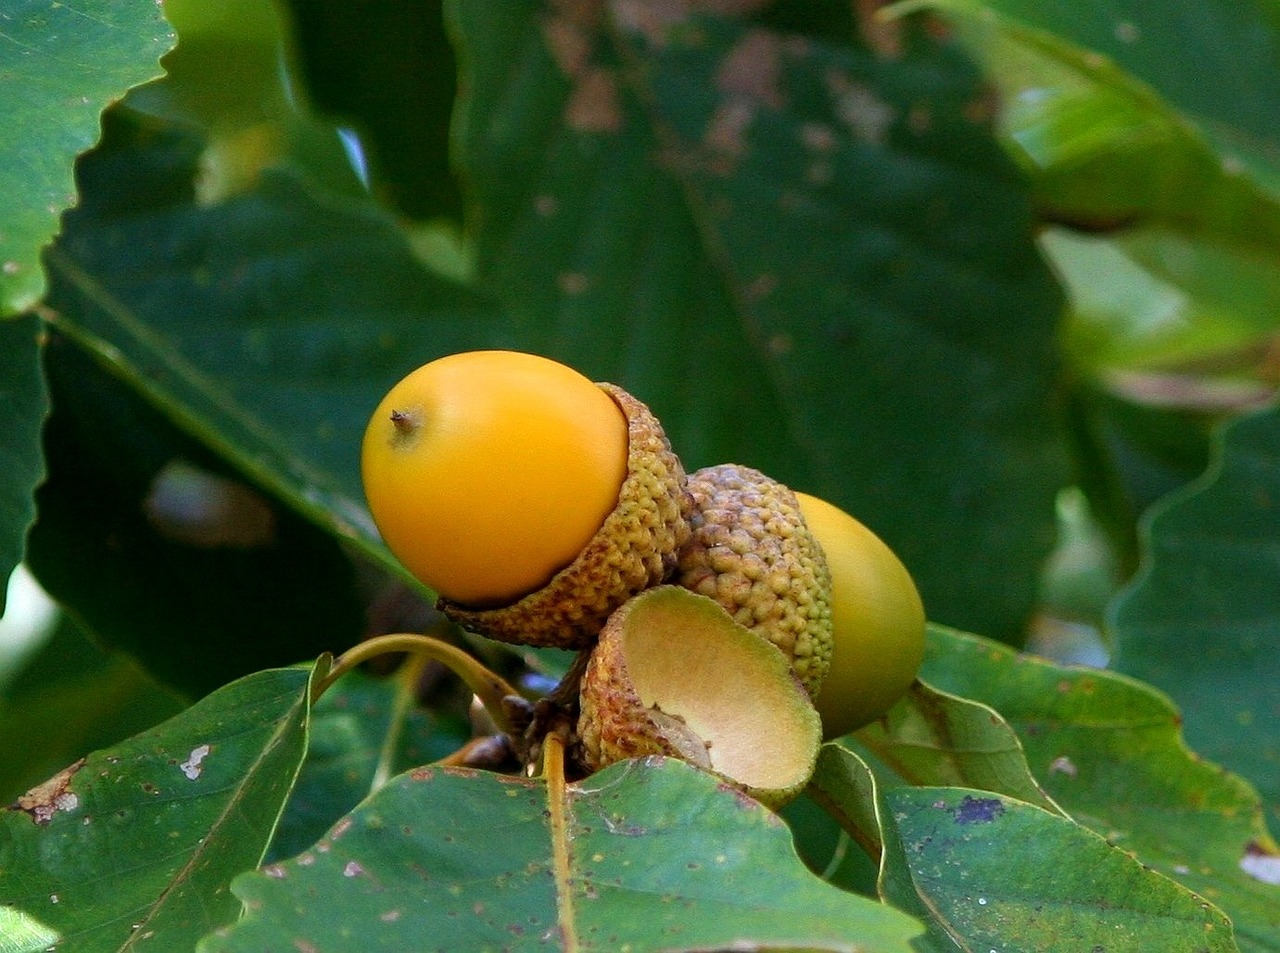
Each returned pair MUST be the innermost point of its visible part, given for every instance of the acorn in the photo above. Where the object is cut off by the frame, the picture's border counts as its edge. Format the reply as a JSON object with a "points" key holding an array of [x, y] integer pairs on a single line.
{"points": [[751, 551], [533, 501], [635, 548], [673, 674]]}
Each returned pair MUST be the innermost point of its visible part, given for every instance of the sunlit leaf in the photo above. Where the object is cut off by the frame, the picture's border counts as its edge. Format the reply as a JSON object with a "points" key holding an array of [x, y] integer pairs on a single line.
{"points": [[60, 65], [138, 843], [989, 871], [653, 855], [1109, 751]]}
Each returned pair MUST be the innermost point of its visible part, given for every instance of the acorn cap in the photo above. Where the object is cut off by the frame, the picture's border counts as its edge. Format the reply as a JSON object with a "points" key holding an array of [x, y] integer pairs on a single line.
{"points": [[752, 553], [672, 674], [636, 547]]}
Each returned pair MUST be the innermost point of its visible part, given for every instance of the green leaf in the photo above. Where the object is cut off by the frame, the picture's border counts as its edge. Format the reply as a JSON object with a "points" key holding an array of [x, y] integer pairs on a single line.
{"points": [[135, 846], [23, 406], [311, 306], [72, 714], [19, 933], [60, 65], [1107, 146], [1110, 752], [990, 870], [389, 71], [142, 533], [929, 738], [1200, 621], [362, 731], [1155, 129], [807, 258], [653, 855]]}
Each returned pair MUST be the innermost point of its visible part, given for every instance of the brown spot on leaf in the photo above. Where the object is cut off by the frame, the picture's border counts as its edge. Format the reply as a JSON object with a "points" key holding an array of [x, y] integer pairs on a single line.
{"points": [[818, 136], [727, 128], [882, 34], [1261, 862], [751, 69], [45, 800], [652, 19], [729, 8], [572, 282], [568, 43], [593, 102], [858, 108]]}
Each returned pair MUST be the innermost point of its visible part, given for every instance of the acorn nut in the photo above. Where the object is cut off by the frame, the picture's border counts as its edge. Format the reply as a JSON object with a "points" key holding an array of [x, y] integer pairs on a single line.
{"points": [[533, 501], [673, 675], [752, 553]]}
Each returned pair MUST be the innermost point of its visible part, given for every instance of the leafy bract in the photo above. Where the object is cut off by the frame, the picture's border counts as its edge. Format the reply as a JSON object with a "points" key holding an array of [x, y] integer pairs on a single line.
{"points": [[1110, 752], [134, 847], [24, 402], [60, 65], [1202, 621], [806, 257], [653, 855]]}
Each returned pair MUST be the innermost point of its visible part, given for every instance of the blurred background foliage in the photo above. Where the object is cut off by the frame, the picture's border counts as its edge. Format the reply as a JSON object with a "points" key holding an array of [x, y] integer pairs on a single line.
{"points": [[1000, 278]]}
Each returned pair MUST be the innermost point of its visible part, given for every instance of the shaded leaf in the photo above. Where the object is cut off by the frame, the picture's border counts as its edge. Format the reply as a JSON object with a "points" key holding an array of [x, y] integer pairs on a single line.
{"points": [[310, 306], [1110, 752], [189, 804], [655, 855], [24, 403], [388, 70], [929, 739], [362, 731], [1201, 621], [807, 258], [933, 739], [990, 871], [60, 65], [74, 713], [142, 533]]}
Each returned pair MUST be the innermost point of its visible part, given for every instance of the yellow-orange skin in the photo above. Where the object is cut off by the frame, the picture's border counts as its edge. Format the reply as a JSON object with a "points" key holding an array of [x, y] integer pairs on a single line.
{"points": [[488, 471], [878, 621]]}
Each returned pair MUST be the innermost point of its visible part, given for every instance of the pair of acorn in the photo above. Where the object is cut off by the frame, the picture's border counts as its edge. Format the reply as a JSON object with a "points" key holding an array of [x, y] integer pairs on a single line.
{"points": [[729, 621]]}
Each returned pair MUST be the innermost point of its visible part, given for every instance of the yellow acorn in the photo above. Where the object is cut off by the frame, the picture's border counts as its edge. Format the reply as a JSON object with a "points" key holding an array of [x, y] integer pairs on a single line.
{"points": [[878, 620], [533, 501], [752, 553], [672, 674]]}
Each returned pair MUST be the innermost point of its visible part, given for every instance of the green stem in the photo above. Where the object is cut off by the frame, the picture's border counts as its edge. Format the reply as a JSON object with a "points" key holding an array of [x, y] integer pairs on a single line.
{"points": [[488, 686]]}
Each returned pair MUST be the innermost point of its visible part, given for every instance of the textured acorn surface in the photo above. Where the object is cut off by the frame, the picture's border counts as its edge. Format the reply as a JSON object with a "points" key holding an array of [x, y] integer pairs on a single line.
{"points": [[635, 548], [672, 674], [751, 552]]}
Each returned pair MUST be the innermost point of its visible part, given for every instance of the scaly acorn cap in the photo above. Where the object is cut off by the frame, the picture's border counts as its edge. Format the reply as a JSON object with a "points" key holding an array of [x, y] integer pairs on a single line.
{"points": [[753, 554], [636, 547], [673, 675]]}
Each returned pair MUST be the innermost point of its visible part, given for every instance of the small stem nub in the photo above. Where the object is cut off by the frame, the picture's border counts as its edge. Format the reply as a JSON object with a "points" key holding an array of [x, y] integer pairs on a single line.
{"points": [[405, 421]]}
